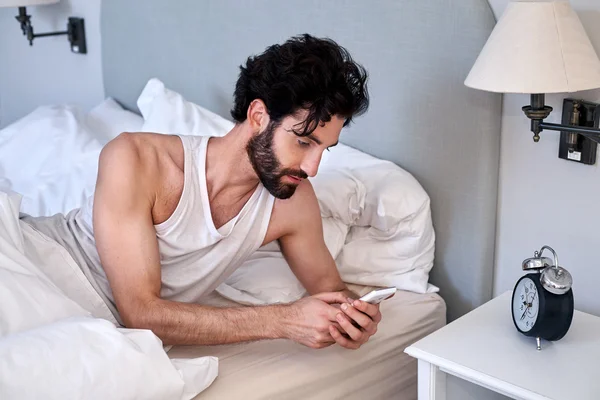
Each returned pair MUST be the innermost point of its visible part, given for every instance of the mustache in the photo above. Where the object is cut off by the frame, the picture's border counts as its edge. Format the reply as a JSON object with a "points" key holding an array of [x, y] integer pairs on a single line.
{"points": [[298, 173]]}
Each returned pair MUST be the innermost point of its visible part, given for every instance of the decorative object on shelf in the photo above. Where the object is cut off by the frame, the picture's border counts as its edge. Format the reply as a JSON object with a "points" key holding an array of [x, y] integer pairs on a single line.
{"points": [[75, 26], [540, 47], [542, 301]]}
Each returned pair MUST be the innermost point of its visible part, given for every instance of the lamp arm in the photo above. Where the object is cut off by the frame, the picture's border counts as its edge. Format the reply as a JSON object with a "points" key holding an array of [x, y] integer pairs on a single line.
{"points": [[75, 31], [25, 21], [36, 35], [590, 133], [538, 111]]}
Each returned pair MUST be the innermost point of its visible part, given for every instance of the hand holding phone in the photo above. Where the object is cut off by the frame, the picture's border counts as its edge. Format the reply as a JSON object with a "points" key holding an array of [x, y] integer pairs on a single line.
{"points": [[358, 320], [378, 295]]}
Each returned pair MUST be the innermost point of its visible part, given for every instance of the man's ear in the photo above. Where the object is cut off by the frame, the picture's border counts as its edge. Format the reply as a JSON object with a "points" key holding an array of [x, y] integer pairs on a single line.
{"points": [[258, 116]]}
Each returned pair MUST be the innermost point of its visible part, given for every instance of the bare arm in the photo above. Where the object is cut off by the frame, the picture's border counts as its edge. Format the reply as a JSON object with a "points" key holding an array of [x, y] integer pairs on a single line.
{"points": [[126, 193], [128, 249], [304, 247], [305, 251]]}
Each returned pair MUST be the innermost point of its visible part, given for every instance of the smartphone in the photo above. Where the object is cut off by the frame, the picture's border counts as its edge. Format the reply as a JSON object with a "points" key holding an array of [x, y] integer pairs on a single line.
{"points": [[378, 295]]}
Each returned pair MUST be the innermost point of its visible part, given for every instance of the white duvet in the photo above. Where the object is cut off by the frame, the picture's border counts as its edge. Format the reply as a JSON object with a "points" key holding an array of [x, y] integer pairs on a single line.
{"points": [[53, 348]]}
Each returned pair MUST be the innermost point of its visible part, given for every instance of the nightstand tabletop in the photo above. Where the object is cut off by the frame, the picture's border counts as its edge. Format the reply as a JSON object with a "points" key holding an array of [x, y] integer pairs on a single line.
{"points": [[484, 347]]}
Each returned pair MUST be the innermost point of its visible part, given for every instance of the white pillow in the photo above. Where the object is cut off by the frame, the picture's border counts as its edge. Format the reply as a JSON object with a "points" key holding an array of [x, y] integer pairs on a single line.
{"points": [[266, 278], [108, 119], [50, 156], [392, 193], [89, 358], [402, 256], [340, 194], [166, 111], [5, 183], [392, 243]]}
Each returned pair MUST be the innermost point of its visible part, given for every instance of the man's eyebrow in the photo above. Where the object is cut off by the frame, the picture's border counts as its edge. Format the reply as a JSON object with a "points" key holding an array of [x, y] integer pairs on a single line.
{"points": [[317, 141], [314, 139]]}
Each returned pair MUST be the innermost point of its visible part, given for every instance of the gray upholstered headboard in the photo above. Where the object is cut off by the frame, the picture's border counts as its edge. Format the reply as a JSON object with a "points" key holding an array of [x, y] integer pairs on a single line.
{"points": [[422, 117]]}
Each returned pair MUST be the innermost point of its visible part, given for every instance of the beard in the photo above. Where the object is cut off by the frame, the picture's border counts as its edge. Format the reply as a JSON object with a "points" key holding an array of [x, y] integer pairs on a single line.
{"points": [[267, 166]]}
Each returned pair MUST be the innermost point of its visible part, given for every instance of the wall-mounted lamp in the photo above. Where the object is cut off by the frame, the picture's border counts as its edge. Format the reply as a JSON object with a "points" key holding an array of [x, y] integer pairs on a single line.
{"points": [[75, 27], [540, 47]]}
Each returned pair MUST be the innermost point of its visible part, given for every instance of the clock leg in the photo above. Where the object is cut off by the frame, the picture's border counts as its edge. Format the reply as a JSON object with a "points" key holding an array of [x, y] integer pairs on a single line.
{"points": [[431, 382], [539, 343]]}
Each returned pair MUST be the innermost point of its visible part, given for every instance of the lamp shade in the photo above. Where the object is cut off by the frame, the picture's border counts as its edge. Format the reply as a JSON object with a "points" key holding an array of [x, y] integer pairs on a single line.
{"points": [[537, 47], [25, 3]]}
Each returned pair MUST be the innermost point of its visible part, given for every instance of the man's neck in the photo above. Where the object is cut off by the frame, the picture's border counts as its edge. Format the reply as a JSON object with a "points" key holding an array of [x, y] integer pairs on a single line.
{"points": [[229, 173]]}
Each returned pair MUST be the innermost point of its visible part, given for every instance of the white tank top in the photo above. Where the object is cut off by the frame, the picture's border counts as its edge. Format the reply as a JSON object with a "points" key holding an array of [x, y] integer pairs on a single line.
{"points": [[195, 256]]}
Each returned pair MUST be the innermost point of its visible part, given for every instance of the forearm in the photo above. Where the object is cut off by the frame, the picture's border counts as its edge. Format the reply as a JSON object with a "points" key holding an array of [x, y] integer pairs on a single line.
{"points": [[331, 285], [192, 324], [328, 280]]}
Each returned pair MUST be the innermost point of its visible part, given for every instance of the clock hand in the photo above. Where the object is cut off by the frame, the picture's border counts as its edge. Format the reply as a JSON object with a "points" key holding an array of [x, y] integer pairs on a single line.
{"points": [[531, 303], [524, 312]]}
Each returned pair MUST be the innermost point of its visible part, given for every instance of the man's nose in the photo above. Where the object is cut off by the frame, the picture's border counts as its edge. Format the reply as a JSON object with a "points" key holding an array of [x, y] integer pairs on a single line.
{"points": [[311, 164]]}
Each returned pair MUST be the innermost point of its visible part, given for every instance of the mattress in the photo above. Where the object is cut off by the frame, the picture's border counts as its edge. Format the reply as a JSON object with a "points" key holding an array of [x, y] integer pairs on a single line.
{"points": [[282, 369]]}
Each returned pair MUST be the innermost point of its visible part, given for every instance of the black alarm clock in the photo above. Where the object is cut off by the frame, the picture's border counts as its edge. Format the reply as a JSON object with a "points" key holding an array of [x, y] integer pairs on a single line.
{"points": [[542, 302]]}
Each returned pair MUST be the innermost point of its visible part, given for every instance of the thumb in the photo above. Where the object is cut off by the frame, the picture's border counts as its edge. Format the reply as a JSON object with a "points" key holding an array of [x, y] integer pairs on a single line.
{"points": [[332, 297]]}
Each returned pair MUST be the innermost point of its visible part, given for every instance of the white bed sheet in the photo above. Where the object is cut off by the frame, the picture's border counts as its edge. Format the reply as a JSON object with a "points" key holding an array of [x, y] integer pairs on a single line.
{"points": [[282, 369]]}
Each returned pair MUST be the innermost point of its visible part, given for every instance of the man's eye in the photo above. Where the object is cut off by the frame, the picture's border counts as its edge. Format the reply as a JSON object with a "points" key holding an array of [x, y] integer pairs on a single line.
{"points": [[303, 143]]}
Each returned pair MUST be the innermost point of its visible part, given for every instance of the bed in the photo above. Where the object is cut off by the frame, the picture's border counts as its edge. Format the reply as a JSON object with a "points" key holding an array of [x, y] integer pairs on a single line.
{"points": [[422, 120], [283, 370]]}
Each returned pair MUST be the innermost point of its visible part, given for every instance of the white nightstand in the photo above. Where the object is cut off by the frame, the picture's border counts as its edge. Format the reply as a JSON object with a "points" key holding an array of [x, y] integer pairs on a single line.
{"points": [[484, 347]]}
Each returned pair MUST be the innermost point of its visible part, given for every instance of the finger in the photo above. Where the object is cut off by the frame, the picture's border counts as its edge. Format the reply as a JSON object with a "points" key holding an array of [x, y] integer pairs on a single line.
{"points": [[322, 345], [362, 319], [341, 340], [377, 317], [332, 311], [331, 297], [354, 332], [372, 310], [341, 330]]}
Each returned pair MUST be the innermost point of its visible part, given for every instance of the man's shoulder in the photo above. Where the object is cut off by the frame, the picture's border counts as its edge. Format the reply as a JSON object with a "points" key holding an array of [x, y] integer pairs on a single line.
{"points": [[142, 149], [145, 165], [144, 141], [291, 215], [303, 199]]}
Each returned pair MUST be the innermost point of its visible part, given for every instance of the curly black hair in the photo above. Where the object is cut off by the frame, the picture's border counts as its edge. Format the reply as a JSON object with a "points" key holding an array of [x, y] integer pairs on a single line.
{"points": [[304, 73]]}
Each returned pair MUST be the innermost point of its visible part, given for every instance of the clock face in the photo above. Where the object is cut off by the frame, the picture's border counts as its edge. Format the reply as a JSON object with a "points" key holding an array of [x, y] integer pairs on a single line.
{"points": [[525, 304]]}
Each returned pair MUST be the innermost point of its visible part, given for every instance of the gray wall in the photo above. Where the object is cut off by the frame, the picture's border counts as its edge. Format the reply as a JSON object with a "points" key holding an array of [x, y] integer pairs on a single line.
{"points": [[544, 199], [47, 72]]}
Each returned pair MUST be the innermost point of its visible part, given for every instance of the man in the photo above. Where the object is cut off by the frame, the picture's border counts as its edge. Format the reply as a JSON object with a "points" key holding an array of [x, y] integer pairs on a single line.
{"points": [[172, 216]]}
